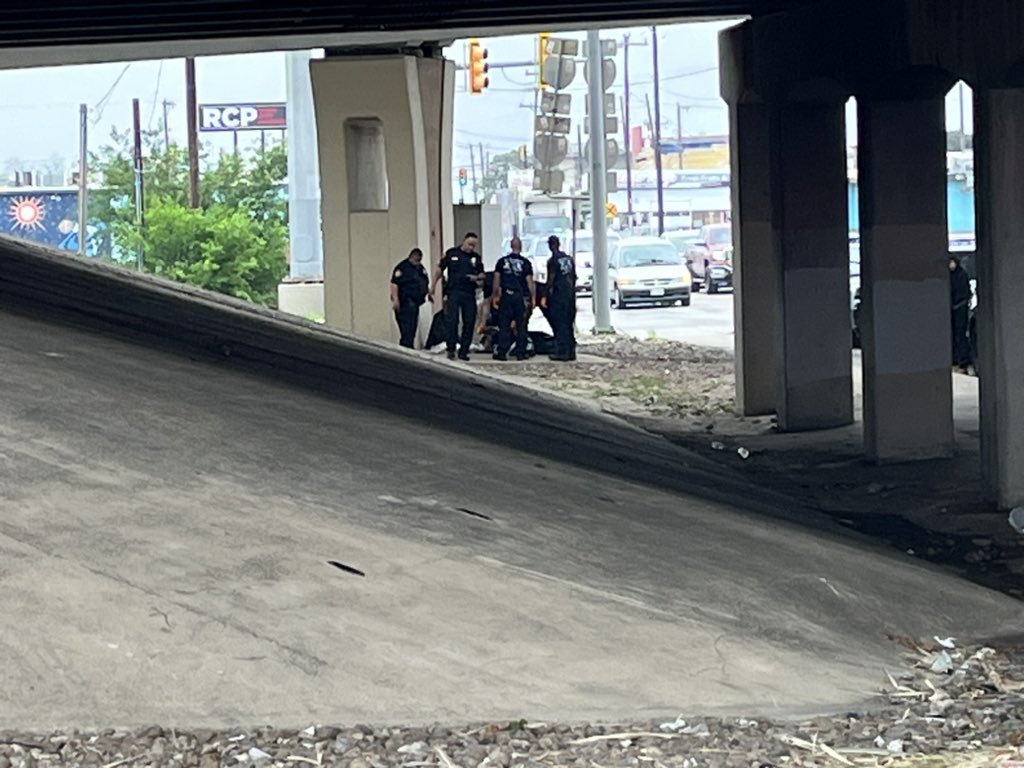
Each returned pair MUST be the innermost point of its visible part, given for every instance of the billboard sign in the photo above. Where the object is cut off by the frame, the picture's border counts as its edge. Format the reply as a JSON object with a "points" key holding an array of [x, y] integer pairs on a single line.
{"points": [[242, 117]]}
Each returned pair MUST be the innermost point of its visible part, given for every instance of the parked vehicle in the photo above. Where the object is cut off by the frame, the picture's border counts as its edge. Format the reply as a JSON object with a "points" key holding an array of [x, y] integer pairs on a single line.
{"points": [[718, 275], [649, 270], [583, 251], [709, 248], [683, 239]]}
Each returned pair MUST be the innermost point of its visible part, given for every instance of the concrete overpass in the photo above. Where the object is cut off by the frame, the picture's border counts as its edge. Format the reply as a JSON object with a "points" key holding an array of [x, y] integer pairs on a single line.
{"points": [[385, 154]]}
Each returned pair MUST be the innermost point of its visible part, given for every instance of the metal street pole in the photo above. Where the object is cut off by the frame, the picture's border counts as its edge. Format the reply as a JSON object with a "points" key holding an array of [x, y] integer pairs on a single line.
{"points": [[598, 183], [626, 130], [83, 179], [657, 135]]}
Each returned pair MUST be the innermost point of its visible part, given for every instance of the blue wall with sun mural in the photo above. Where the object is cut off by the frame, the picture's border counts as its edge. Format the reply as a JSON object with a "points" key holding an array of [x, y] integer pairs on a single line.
{"points": [[45, 216]]}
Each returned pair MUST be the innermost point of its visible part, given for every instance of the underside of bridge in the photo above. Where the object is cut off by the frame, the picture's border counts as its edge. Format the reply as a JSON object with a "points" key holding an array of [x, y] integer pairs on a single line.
{"points": [[787, 73]]}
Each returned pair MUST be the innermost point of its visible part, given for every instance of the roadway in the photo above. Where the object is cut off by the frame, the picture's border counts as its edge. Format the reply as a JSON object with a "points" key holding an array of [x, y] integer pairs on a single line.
{"points": [[708, 321], [169, 521]]}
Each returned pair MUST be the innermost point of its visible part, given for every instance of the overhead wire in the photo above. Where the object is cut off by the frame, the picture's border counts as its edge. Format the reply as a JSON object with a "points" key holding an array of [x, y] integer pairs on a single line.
{"points": [[156, 97], [102, 103]]}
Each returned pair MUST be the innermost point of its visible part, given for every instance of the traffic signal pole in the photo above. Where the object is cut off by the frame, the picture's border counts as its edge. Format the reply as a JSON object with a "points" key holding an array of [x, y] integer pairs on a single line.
{"points": [[598, 183]]}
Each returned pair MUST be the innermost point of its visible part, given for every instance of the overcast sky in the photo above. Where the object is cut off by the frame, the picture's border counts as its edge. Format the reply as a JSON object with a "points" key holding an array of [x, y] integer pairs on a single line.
{"points": [[40, 106]]}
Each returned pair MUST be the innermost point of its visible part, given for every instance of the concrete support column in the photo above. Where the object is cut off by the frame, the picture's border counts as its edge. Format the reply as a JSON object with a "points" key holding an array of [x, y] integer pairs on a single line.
{"points": [[813, 342], [908, 390], [755, 258], [384, 126], [999, 168]]}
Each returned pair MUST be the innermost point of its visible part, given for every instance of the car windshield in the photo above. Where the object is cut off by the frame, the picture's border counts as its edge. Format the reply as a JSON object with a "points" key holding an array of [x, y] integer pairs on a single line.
{"points": [[646, 255], [720, 236]]}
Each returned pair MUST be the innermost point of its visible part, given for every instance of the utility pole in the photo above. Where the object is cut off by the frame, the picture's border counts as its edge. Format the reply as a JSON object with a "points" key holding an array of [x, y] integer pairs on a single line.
{"points": [[626, 130], [679, 134], [193, 132], [483, 164], [137, 135], [472, 167], [657, 135], [83, 179], [598, 183], [167, 129]]}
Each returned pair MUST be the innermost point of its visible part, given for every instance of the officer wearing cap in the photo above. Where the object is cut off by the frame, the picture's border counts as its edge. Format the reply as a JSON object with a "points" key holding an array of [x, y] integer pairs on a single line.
{"points": [[409, 283], [514, 294], [462, 273], [561, 300]]}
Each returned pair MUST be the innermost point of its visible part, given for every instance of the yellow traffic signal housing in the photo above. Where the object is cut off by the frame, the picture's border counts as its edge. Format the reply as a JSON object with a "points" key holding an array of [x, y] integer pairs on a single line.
{"points": [[477, 67], [542, 55]]}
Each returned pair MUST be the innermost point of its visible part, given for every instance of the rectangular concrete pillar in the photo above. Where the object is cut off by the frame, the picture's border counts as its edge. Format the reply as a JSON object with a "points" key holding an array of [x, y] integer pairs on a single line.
{"points": [[813, 342], [755, 258], [384, 137], [999, 192], [908, 389]]}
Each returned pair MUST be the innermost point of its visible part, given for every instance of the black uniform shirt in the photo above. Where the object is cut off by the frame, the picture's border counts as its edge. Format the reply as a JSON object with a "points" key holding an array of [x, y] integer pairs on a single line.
{"points": [[412, 281], [513, 271], [460, 268], [959, 287], [562, 274]]}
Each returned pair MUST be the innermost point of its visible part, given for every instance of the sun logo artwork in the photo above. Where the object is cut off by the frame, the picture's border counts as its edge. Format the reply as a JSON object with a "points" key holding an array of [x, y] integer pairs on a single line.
{"points": [[26, 213]]}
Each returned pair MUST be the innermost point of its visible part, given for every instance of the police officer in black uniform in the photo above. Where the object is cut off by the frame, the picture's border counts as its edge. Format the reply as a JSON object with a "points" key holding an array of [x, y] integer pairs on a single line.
{"points": [[462, 270], [514, 295], [409, 284], [561, 300]]}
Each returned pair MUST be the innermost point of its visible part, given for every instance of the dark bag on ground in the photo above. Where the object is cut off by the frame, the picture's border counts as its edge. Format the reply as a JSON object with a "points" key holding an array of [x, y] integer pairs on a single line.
{"points": [[437, 333]]}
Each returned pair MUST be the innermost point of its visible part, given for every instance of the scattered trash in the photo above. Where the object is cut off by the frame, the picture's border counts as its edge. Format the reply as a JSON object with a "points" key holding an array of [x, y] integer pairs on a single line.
{"points": [[1017, 519], [942, 663], [948, 643], [895, 746], [256, 754], [311, 731], [744, 453], [717, 446], [675, 725]]}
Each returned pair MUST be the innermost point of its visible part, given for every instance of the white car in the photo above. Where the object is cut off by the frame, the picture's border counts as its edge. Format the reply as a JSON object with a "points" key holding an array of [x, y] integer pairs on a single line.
{"points": [[585, 276], [649, 270]]}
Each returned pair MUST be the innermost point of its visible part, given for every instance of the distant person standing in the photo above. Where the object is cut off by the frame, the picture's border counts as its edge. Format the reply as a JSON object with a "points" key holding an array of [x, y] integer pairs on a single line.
{"points": [[409, 284], [960, 295], [462, 273], [514, 294], [561, 300]]}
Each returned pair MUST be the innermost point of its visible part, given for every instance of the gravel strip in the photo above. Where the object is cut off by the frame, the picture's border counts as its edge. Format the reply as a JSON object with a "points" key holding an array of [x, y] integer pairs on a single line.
{"points": [[947, 707]]}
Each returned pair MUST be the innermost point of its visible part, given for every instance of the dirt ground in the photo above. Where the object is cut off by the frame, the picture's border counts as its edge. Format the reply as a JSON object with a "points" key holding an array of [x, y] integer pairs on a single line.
{"points": [[929, 509]]}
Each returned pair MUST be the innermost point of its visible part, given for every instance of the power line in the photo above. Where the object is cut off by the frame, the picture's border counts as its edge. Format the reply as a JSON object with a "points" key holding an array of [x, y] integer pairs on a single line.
{"points": [[156, 96], [102, 103]]}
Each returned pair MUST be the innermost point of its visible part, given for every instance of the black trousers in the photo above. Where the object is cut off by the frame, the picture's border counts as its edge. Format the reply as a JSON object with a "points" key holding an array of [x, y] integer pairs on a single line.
{"points": [[461, 305], [512, 311], [961, 346], [563, 315], [408, 318]]}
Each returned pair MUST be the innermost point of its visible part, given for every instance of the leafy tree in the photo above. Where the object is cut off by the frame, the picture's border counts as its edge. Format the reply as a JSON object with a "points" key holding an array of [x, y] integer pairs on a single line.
{"points": [[497, 173], [234, 243]]}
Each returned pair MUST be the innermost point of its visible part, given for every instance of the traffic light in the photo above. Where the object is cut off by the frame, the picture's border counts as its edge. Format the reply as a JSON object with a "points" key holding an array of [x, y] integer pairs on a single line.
{"points": [[477, 67], [463, 178], [542, 54]]}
